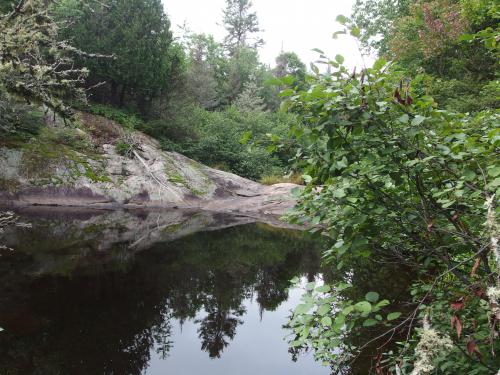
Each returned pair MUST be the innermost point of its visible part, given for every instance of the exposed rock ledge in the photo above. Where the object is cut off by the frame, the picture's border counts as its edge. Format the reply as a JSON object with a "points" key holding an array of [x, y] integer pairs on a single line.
{"points": [[48, 172]]}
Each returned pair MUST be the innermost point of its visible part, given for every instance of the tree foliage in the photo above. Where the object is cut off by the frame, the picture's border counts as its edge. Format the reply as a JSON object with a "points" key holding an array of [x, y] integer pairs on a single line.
{"points": [[137, 33], [35, 65], [289, 63], [206, 69], [436, 37], [393, 178], [241, 24], [249, 100]]}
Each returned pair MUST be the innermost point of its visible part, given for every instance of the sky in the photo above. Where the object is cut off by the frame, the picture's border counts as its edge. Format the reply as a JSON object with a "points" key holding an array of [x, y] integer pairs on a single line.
{"points": [[297, 25]]}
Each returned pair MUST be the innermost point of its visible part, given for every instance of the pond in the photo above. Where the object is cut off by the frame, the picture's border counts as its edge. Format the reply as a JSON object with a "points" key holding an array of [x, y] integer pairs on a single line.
{"points": [[145, 292]]}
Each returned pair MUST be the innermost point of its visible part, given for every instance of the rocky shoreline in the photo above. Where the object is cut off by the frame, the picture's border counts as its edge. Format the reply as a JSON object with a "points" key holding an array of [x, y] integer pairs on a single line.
{"points": [[48, 171]]}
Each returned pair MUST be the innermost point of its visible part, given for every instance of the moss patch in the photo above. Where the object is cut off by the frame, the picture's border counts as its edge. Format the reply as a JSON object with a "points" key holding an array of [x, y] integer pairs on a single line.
{"points": [[8, 185], [59, 156], [173, 228], [176, 176]]}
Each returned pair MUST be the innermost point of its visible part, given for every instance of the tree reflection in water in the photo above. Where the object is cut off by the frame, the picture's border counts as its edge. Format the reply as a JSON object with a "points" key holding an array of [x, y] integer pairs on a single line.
{"points": [[106, 317]]}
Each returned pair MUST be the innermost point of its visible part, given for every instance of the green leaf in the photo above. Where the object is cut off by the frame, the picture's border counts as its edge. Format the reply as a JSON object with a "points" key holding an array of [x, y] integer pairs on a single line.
{"points": [[466, 37], [369, 322], [318, 51], [339, 59], [246, 137], [341, 19], [324, 309], [311, 285], [323, 289], [337, 33], [307, 179], [316, 220], [404, 119], [417, 120], [379, 64], [287, 92], [314, 68], [494, 171], [469, 175], [342, 286], [393, 316], [339, 193], [494, 183], [347, 310], [302, 308], [372, 297], [383, 303], [295, 280], [363, 307], [326, 321], [355, 32]]}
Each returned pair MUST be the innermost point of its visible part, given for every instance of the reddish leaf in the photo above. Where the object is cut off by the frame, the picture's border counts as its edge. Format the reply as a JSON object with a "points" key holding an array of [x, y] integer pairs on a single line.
{"points": [[472, 349], [457, 324], [457, 305], [479, 291], [398, 97], [474, 324], [430, 226], [475, 267]]}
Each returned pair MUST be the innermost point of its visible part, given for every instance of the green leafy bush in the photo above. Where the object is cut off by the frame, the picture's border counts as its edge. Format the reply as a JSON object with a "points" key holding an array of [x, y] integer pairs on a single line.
{"points": [[128, 120], [214, 138], [391, 177]]}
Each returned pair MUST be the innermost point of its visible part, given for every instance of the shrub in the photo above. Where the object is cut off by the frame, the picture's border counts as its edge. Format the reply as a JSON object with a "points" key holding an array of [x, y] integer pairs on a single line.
{"points": [[392, 178], [217, 141], [128, 120]]}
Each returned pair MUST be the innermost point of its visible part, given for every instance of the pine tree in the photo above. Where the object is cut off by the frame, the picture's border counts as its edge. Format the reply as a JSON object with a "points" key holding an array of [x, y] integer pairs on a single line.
{"points": [[241, 25], [249, 100]]}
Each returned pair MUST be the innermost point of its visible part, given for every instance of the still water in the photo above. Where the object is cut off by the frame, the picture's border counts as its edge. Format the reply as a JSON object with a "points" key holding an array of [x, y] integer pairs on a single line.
{"points": [[177, 292]]}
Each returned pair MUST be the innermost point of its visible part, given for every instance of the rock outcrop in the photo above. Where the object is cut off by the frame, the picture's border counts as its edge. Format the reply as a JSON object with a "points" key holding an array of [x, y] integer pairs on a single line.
{"points": [[82, 167]]}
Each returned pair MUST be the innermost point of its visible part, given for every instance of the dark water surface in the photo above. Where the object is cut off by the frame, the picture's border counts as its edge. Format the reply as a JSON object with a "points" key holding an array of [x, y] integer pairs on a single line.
{"points": [[175, 292]]}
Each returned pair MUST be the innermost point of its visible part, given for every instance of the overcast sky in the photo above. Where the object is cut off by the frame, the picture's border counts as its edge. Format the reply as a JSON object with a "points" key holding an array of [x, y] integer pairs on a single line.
{"points": [[298, 25]]}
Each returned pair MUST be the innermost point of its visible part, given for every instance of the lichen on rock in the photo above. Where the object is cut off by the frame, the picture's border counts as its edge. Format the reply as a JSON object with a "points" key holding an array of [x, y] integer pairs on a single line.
{"points": [[81, 166]]}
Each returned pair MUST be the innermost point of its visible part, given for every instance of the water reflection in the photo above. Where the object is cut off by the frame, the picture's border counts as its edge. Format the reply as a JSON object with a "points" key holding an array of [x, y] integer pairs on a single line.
{"points": [[104, 294]]}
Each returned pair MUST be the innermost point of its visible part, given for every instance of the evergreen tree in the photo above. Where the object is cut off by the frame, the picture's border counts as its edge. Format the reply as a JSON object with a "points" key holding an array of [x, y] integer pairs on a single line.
{"points": [[241, 25], [240, 68], [137, 33], [249, 100], [206, 69]]}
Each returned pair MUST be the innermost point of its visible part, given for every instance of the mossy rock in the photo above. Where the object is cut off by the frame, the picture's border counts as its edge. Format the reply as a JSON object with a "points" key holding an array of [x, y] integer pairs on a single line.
{"points": [[9, 185]]}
